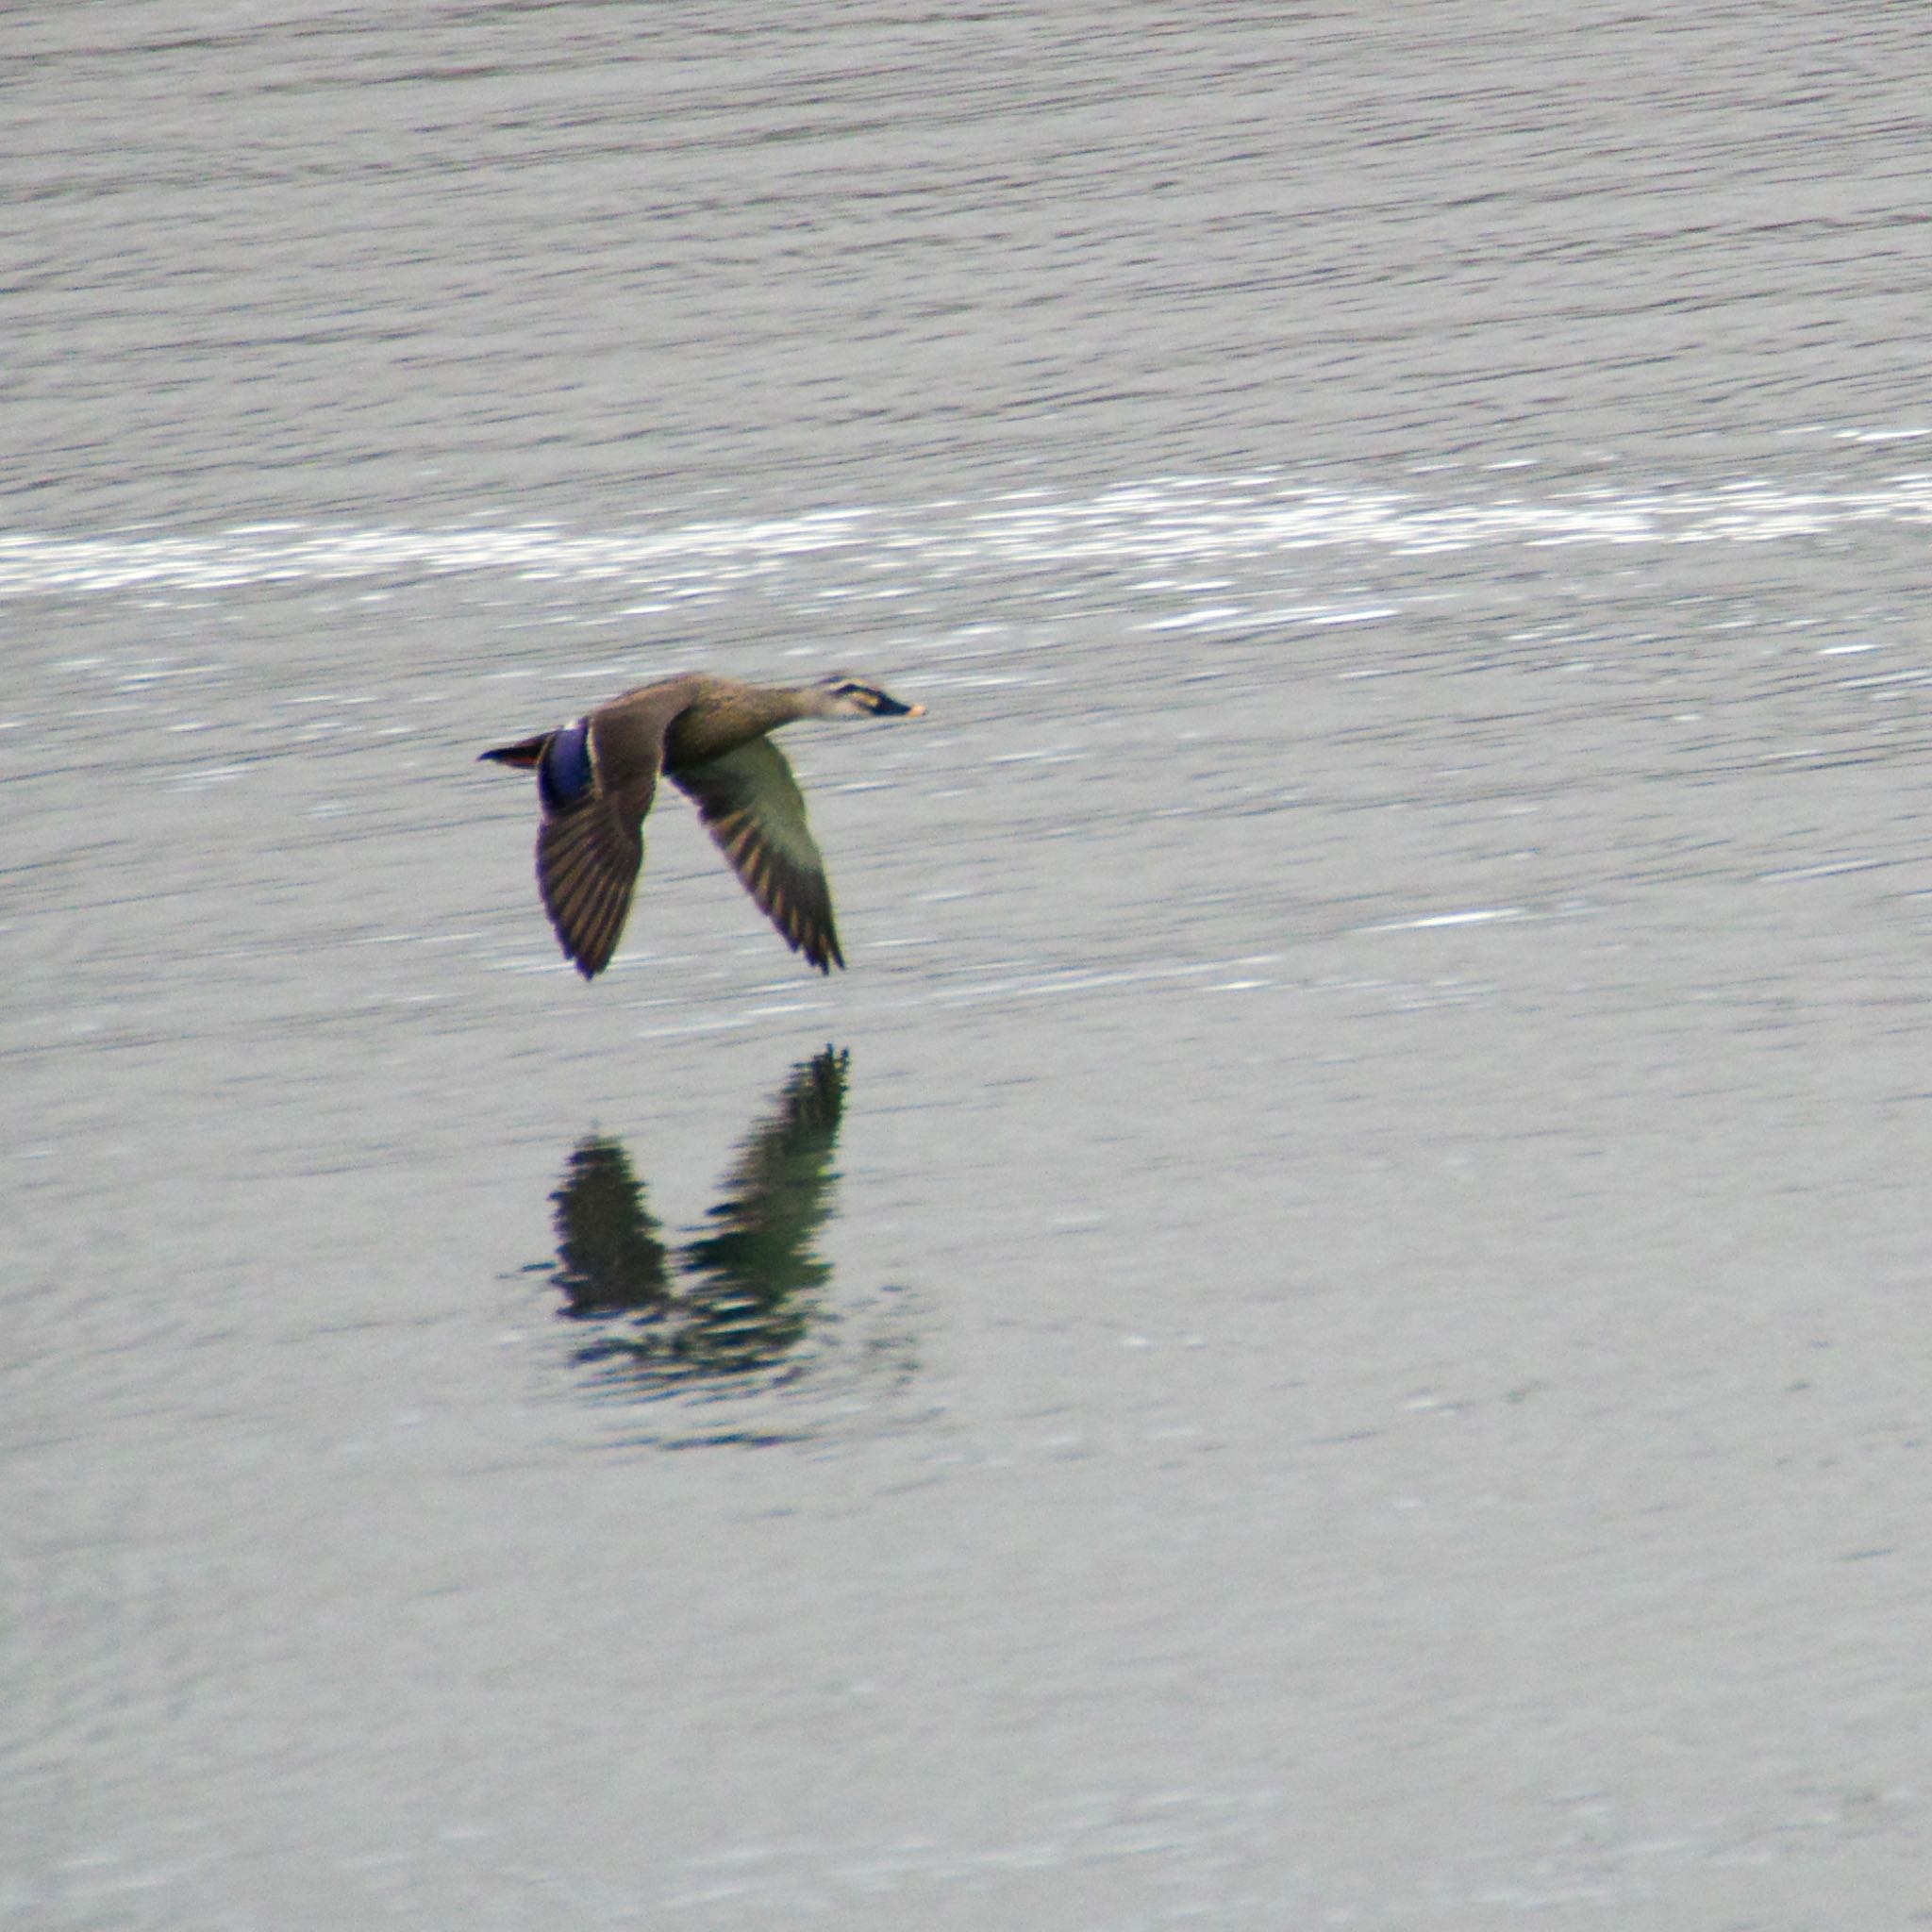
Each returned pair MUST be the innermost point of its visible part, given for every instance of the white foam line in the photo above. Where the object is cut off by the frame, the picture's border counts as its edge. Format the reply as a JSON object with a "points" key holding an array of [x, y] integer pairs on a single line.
{"points": [[1436, 919], [1195, 620], [1146, 526], [1828, 871]]}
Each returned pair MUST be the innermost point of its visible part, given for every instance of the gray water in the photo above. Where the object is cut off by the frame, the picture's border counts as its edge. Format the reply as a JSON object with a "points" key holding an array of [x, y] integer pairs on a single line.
{"points": [[1327, 1327]]}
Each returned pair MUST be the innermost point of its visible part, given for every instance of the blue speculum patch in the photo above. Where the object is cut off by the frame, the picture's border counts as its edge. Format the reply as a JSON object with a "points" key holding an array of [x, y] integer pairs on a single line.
{"points": [[563, 772]]}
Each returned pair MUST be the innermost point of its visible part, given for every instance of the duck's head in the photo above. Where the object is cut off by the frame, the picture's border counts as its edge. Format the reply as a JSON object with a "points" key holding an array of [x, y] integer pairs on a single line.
{"points": [[849, 695]]}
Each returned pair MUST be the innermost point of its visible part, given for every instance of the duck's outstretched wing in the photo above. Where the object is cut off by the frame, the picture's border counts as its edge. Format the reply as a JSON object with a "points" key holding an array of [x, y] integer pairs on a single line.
{"points": [[751, 805], [589, 855], [596, 780]]}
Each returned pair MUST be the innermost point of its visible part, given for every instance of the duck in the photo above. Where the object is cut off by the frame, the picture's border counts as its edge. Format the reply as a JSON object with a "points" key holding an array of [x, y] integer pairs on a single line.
{"points": [[710, 736]]}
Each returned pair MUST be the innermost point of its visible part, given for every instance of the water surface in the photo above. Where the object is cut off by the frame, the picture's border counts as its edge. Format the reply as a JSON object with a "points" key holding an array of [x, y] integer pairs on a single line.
{"points": [[1325, 1328]]}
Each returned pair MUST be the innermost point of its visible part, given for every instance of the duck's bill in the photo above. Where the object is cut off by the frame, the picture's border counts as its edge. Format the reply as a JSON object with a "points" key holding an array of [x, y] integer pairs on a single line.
{"points": [[891, 708]]}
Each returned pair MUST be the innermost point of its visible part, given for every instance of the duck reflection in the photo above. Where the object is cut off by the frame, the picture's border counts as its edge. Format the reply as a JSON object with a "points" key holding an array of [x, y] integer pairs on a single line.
{"points": [[733, 1304]]}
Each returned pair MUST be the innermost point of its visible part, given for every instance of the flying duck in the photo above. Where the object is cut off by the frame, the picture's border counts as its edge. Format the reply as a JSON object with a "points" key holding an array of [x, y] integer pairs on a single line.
{"points": [[710, 737]]}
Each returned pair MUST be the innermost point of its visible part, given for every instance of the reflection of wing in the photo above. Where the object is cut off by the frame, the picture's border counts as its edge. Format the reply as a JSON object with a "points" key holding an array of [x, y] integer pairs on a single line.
{"points": [[609, 1258], [758, 1260], [734, 1301], [751, 805]]}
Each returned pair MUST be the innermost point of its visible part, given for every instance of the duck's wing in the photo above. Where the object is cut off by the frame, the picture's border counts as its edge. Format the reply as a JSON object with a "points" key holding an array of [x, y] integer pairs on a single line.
{"points": [[588, 859], [751, 805], [596, 781]]}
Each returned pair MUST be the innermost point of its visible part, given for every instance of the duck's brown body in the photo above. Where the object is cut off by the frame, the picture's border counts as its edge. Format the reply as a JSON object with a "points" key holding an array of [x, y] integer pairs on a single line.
{"points": [[596, 778]]}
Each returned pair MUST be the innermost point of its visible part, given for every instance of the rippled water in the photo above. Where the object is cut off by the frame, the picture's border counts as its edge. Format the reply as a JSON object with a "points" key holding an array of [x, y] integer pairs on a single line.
{"points": [[1325, 1328]]}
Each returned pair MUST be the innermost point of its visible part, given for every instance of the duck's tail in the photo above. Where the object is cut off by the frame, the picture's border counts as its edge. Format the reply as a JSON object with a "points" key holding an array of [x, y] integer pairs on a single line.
{"points": [[565, 765], [524, 756]]}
